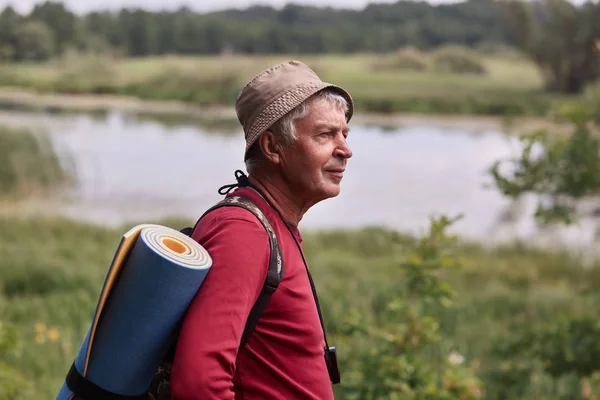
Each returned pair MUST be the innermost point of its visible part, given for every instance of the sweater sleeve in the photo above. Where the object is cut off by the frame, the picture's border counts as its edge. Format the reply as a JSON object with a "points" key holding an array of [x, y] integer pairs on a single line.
{"points": [[211, 331]]}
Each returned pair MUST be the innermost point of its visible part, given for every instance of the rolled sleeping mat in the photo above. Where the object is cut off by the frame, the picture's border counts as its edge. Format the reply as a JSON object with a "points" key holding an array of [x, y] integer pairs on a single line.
{"points": [[154, 275]]}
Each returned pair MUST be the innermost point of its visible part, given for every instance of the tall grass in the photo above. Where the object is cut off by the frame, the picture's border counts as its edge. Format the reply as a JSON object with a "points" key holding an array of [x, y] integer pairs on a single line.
{"points": [[402, 82], [28, 164], [52, 271]]}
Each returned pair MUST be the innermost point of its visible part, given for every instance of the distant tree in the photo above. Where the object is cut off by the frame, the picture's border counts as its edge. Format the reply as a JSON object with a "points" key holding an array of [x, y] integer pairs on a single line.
{"points": [[34, 41], [104, 25], [186, 34], [139, 32], [261, 29], [562, 169], [165, 32], [9, 22], [59, 19], [560, 37]]}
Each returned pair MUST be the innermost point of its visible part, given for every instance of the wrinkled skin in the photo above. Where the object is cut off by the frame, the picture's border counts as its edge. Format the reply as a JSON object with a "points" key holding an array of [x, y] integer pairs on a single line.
{"points": [[309, 170]]}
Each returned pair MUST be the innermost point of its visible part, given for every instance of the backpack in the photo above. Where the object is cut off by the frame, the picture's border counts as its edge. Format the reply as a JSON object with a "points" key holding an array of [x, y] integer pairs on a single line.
{"points": [[160, 387]]}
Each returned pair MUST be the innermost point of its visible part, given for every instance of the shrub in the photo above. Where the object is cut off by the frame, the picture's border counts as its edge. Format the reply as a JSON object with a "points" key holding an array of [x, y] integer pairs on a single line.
{"points": [[456, 60], [193, 86], [561, 353], [562, 169], [404, 359], [86, 74], [404, 59], [13, 384]]}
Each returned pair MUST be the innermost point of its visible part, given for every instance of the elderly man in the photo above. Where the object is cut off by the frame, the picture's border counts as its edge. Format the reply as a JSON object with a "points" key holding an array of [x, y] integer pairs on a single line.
{"points": [[296, 151]]}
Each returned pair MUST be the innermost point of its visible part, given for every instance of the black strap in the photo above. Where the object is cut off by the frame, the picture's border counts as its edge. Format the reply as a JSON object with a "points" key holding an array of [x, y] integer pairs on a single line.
{"points": [[275, 271], [242, 180], [90, 391], [312, 286], [333, 374], [276, 267]]}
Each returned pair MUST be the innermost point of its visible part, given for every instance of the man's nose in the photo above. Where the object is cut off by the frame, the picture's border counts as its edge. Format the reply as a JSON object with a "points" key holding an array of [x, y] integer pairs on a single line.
{"points": [[343, 149]]}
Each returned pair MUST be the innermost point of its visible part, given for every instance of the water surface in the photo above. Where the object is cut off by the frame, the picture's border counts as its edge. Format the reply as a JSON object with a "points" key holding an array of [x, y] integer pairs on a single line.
{"points": [[130, 169]]}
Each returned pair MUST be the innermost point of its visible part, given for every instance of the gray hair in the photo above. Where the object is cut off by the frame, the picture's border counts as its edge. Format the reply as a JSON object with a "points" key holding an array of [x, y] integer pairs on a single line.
{"points": [[284, 129]]}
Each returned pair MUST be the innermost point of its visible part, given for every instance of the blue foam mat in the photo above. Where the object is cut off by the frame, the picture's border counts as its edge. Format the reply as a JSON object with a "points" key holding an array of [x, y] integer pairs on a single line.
{"points": [[154, 276]]}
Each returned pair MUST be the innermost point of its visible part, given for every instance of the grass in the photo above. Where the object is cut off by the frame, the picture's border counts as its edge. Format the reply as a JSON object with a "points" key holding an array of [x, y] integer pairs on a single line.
{"points": [[52, 269], [511, 85], [28, 164]]}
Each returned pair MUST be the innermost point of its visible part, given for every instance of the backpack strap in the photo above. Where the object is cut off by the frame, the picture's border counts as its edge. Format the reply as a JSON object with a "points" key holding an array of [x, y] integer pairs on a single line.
{"points": [[276, 268], [160, 386]]}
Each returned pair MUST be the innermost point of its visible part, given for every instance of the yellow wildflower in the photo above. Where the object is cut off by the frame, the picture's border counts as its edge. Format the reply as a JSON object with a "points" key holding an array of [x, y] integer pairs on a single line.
{"points": [[53, 334], [40, 338], [40, 327]]}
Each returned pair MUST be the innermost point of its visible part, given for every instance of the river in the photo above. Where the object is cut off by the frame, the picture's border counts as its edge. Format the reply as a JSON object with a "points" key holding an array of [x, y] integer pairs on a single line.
{"points": [[131, 169]]}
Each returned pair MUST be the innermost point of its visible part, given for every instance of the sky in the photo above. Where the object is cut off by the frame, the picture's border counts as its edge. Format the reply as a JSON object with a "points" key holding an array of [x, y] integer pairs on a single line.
{"points": [[82, 6]]}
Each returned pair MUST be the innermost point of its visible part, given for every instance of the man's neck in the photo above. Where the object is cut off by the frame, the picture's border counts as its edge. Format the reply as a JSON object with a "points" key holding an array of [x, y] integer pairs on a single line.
{"points": [[281, 199]]}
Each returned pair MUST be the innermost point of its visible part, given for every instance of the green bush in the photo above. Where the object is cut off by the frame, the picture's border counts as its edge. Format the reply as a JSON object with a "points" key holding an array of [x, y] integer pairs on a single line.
{"points": [[13, 385], [405, 359], [456, 60], [189, 86], [563, 169], [560, 354], [409, 59], [81, 73], [34, 41]]}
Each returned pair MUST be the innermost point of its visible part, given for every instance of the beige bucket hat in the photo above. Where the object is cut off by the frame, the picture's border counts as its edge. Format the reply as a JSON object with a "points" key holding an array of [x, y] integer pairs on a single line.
{"points": [[276, 91]]}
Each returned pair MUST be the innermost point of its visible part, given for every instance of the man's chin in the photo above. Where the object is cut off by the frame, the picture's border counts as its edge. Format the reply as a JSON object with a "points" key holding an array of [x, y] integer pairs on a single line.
{"points": [[333, 190]]}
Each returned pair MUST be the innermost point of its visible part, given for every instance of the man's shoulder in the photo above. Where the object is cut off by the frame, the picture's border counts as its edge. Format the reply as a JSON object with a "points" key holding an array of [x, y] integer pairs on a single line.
{"points": [[233, 233], [243, 214], [245, 206], [229, 215]]}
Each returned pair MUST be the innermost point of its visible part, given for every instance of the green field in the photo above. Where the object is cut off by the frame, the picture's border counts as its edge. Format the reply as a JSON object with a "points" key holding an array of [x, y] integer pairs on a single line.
{"points": [[509, 85], [52, 270]]}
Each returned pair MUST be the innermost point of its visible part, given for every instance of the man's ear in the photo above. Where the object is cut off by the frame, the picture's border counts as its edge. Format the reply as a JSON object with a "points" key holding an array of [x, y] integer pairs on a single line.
{"points": [[270, 147]]}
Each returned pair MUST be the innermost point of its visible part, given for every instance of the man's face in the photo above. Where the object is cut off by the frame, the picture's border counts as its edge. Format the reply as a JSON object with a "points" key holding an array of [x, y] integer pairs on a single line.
{"points": [[314, 164]]}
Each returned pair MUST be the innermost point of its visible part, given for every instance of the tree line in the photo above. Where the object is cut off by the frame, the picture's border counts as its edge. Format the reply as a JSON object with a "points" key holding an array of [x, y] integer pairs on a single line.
{"points": [[51, 27], [562, 38]]}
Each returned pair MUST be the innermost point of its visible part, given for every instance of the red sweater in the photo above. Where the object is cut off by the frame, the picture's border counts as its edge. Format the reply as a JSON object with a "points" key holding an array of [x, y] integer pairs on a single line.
{"points": [[283, 358]]}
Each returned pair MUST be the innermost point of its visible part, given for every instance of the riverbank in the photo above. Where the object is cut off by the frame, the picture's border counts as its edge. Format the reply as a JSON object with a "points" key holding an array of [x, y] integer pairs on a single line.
{"points": [[175, 112], [507, 87], [52, 270]]}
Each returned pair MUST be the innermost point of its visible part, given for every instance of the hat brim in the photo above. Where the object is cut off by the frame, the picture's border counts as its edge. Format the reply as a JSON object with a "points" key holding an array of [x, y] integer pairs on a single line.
{"points": [[286, 103]]}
